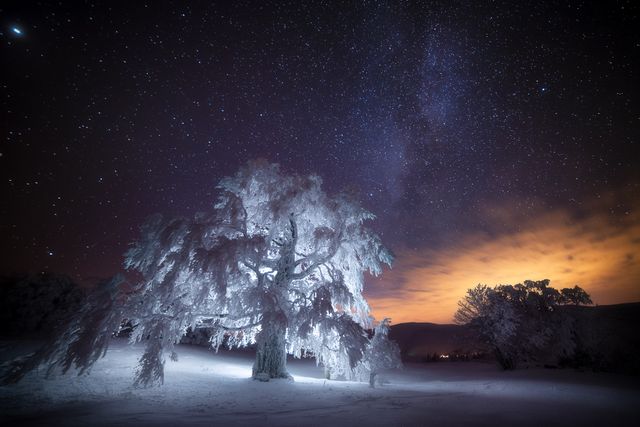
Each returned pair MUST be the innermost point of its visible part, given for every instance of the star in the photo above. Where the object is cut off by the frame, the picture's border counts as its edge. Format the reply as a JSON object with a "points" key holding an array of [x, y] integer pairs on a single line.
{"points": [[434, 123]]}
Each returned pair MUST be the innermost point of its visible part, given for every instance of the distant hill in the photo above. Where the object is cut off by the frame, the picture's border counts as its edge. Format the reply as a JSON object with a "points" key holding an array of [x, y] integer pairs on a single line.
{"points": [[606, 336], [627, 312], [420, 341]]}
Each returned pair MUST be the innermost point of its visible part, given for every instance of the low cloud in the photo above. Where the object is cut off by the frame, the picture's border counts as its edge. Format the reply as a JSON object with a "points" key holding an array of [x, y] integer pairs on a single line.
{"points": [[595, 252]]}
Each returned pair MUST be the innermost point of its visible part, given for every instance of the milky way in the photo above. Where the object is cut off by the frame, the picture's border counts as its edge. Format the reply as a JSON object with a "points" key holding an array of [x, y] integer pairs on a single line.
{"points": [[438, 115]]}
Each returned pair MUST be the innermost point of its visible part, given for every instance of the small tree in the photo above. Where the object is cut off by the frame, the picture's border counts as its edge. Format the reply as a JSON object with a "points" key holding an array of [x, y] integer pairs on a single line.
{"points": [[519, 322], [575, 296], [277, 262], [381, 353]]}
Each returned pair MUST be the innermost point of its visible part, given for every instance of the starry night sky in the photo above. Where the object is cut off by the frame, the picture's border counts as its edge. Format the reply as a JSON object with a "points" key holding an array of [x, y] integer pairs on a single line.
{"points": [[465, 126]]}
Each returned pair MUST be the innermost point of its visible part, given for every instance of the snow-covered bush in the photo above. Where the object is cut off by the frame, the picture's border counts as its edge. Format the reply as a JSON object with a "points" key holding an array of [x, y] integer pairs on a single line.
{"points": [[277, 263]]}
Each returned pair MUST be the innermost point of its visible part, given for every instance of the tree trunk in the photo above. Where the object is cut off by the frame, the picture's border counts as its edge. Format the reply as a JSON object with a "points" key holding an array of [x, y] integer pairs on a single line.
{"points": [[271, 353], [372, 380], [327, 373], [505, 361]]}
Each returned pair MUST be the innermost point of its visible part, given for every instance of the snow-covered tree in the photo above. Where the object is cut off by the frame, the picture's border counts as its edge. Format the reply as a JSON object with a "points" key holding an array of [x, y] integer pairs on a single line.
{"points": [[521, 323], [277, 262], [496, 321]]}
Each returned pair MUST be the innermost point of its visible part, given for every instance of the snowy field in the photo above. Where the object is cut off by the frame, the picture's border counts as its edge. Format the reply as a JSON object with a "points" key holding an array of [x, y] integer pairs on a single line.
{"points": [[204, 388]]}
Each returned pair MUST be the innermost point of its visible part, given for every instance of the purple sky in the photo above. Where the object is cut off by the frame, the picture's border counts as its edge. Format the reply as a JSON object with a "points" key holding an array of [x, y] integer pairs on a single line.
{"points": [[440, 115]]}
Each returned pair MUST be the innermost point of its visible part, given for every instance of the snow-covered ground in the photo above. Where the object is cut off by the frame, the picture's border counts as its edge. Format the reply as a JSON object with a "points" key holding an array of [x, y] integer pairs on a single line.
{"points": [[204, 388]]}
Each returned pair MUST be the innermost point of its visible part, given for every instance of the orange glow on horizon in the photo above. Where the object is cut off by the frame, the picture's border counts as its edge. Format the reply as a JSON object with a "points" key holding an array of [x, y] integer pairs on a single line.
{"points": [[599, 256]]}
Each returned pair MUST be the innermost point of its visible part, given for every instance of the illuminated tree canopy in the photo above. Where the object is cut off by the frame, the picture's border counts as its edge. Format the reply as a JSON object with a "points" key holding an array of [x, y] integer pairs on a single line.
{"points": [[277, 263]]}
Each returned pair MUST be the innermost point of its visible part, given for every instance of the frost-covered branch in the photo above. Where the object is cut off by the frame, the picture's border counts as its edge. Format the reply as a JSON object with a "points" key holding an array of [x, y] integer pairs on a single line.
{"points": [[242, 265]]}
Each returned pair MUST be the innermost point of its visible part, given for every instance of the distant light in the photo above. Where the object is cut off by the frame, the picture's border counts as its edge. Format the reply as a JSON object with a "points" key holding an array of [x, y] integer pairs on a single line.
{"points": [[16, 30], [50, 253]]}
